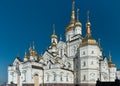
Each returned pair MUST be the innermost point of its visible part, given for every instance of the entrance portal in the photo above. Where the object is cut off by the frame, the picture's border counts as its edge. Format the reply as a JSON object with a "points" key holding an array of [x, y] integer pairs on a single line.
{"points": [[36, 80]]}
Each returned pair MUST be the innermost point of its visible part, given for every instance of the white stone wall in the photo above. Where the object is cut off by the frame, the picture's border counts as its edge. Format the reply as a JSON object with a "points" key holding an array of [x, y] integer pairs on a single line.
{"points": [[61, 48], [72, 47], [118, 74], [78, 30], [58, 76], [104, 71], [112, 73], [89, 61], [69, 34]]}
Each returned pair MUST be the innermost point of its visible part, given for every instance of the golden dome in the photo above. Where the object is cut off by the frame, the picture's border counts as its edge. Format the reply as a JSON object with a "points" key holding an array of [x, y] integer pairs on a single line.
{"points": [[72, 21], [31, 52], [34, 53], [70, 27], [25, 56], [78, 24], [111, 65], [88, 41], [88, 24], [54, 36]]}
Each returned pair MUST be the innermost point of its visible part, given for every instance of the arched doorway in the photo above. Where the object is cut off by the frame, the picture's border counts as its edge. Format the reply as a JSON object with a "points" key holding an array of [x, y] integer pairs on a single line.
{"points": [[36, 80]]}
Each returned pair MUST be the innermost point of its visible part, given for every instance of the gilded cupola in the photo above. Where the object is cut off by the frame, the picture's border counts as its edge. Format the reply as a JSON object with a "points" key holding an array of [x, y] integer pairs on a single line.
{"points": [[110, 64], [88, 40], [32, 51], [72, 21], [26, 57], [54, 36]]}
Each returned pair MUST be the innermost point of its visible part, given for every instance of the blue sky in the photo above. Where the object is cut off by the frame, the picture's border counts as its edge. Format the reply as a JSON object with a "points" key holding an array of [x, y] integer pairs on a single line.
{"points": [[24, 21]]}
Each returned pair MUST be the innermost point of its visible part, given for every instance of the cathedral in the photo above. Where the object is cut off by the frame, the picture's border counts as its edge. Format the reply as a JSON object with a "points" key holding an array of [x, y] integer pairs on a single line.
{"points": [[76, 61]]}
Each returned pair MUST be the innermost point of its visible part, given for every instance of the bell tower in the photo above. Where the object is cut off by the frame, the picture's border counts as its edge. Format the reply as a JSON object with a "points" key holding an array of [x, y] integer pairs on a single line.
{"points": [[73, 33]]}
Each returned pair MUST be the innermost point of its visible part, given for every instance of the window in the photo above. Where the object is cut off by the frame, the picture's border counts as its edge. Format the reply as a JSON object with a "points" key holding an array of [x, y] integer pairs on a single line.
{"points": [[91, 62], [83, 52], [54, 78], [92, 52], [24, 72], [17, 66], [61, 75], [67, 77], [84, 78], [48, 77], [84, 64], [61, 52], [12, 74]]}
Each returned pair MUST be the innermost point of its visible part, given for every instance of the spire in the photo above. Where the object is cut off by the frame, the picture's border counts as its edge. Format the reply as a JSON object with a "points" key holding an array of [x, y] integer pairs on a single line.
{"points": [[30, 48], [88, 24], [25, 52], [54, 35], [99, 41], [78, 23], [25, 55], [33, 46], [109, 58], [73, 13], [73, 5], [53, 28], [60, 37], [88, 16], [78, 14]]}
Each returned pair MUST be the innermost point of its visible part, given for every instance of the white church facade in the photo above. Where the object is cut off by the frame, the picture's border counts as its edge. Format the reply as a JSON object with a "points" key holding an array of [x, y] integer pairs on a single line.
{"points": [[76, 61]]}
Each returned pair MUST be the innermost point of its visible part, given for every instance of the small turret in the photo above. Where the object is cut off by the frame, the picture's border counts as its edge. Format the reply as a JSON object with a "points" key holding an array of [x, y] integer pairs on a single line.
{"points": [[110, 64], [33, 53], [78, 25], [71, 26], [54, 36], [25, 57], [72, 21]]}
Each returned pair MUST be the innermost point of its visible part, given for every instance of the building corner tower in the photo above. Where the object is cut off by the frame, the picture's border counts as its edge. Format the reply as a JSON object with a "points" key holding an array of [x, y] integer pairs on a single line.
{"points": [[89, 54]]}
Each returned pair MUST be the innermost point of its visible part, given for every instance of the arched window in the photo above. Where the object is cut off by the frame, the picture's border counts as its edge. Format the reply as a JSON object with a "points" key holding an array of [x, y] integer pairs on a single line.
{"points": [[84, 77], [67, 77], [24, 75], [47, 76], [54, 76], [17, 66], [61, 52], [12, 74], [91, 62], [92, 52], [84, 64], [83, 53], [61, 76]]}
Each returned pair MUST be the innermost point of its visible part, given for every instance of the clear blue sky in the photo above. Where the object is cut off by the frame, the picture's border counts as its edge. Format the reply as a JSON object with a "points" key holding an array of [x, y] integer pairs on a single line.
{"points": [[24, 21]]}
